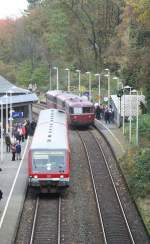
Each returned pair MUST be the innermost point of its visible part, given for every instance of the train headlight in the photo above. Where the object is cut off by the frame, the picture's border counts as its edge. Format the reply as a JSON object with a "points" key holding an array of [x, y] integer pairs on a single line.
{"points": [[35, 176], [61, 176]]}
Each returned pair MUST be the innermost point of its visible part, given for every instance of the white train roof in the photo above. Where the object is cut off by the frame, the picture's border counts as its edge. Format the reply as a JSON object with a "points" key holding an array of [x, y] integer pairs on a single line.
{"points": [[79, 102], [51, 131], [65, 96], [53, 93]]}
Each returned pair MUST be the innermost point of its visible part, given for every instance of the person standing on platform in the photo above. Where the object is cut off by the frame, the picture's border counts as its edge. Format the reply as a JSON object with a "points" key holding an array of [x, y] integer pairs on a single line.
{"points": [[23, 132], [107, 116], [18, 151], [97, 112], [8, 142], [13, 150]]}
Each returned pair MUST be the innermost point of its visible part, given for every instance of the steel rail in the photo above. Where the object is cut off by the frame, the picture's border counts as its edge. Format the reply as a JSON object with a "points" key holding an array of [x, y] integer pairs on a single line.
{"points": [[95, 191], [116, 192], [34, 220], [59, 220]]}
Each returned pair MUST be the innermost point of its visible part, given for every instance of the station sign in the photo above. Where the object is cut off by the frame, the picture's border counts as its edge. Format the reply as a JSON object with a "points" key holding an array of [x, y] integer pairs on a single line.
{"points": [[17, 115]]}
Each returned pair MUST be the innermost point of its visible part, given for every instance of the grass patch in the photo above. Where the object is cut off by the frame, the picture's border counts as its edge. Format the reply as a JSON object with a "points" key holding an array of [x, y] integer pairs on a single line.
{"points": [[136, 169], [144, 207]]}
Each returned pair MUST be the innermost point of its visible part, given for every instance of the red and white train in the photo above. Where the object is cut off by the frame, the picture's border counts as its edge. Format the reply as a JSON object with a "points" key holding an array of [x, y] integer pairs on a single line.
{"points": [[80, 111], [49, 154]]}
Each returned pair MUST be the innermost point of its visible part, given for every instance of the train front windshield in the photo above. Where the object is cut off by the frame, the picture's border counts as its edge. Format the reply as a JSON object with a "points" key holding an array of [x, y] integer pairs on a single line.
{"points": [[81, 110], [49, 162]]}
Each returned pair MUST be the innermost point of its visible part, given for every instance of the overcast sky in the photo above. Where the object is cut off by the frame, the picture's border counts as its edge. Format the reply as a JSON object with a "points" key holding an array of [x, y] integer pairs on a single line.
{"points": [[12, 8]]}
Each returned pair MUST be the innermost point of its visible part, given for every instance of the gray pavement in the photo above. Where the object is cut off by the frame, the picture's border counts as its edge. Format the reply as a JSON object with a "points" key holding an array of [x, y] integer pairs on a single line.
{"points": [[115, 137], [13, 182]]}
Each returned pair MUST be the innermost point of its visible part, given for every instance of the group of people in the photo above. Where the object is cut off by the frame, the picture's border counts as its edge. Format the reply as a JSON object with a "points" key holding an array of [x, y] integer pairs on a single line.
{"points": [[104, 112], [13, 144], [20, 132]]}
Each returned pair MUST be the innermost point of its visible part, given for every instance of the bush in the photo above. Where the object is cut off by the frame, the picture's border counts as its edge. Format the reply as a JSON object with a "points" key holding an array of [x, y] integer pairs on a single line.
{"points": [[140, 174]]}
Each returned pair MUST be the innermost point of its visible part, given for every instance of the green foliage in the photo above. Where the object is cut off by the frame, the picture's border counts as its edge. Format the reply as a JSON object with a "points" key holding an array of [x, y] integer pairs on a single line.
{"points": [[24, 73], [40, 75], [144, 122], [147, 92], [139, 175]]}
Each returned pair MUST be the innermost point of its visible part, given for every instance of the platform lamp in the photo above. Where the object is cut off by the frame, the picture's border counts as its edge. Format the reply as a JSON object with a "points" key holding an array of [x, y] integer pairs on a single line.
{"points": [[137, 116], [108, 76], [118, 82], [50, 77], [10, 111], [99, 86], [130, 117], [57, 82], [89, 74], [68, 77], [6, 96], [79, 71], [119, 95]]}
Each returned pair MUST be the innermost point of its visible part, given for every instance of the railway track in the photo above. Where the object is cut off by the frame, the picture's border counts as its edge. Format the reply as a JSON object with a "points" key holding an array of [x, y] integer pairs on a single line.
{"points": [[111, 213], [41, 220], [46, 221]]}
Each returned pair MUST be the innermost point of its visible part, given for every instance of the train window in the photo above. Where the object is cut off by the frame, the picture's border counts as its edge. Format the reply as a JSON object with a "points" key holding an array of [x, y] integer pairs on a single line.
{"points": [[49, 162], [87, 110], [71, 110]]}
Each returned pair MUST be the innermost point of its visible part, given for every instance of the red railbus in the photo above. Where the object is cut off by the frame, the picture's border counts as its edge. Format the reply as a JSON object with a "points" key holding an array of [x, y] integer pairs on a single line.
{"points": [[49, 154], [80, 111]]}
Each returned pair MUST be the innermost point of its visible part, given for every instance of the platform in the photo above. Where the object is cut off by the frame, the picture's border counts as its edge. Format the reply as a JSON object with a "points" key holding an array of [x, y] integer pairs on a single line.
{"points": [[13, 183], [114, 136]]}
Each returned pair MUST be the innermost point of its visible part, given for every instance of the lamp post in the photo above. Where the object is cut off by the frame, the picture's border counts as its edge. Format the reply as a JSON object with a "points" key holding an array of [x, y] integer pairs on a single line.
{"points": [[137, 116], [123, 121], [118, 82], [79, 71], [119, 95], [50, 77], [108, 76], [99, 86], [89, 74], [130, 117], [68, 70], [6, 96], [57, 84], [1, 131], [10, 112]]}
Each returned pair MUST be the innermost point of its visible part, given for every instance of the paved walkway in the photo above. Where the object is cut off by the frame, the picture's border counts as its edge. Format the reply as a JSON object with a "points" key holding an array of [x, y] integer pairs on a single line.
{"points": [[13, 182], [114, 136]]}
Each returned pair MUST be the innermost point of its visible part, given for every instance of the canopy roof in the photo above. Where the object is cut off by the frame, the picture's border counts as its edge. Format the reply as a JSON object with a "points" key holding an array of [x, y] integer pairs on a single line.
{"points": [[7, 87]]}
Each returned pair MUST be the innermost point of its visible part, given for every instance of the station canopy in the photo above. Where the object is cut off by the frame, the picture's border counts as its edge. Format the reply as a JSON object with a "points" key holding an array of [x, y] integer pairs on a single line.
{"points": [[7, 87], [18, 95]]}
